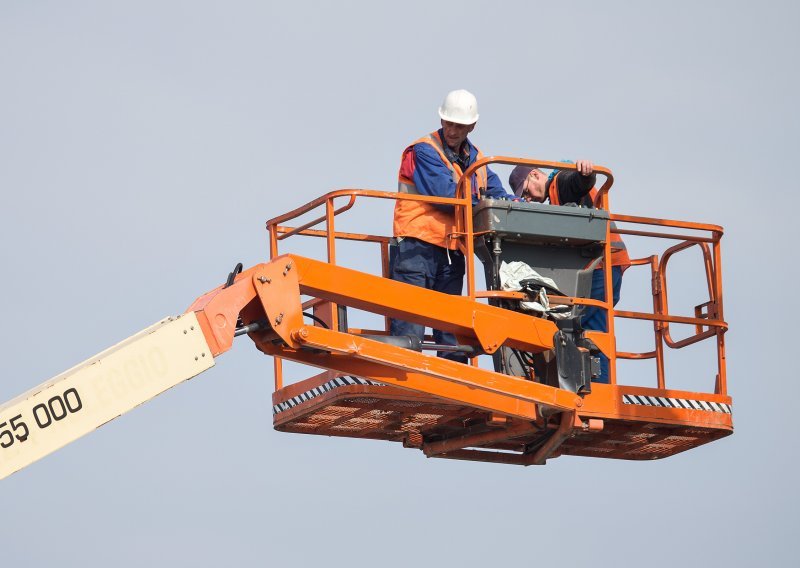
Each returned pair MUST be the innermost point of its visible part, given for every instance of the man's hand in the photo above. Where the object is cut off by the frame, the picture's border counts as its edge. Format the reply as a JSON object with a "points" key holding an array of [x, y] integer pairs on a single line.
{"points": [[584, 167]]}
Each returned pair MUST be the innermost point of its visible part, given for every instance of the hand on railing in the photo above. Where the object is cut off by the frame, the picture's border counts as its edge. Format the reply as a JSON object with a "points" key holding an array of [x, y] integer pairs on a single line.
{"points": [[467, 177]]}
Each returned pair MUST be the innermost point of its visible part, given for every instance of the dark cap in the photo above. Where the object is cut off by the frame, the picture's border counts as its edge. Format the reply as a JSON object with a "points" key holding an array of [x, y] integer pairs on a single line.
{"points": [[517, 178]]}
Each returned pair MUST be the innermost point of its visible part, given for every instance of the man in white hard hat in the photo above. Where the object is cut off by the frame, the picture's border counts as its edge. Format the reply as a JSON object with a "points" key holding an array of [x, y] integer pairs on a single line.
{"points": [[427, 254]]}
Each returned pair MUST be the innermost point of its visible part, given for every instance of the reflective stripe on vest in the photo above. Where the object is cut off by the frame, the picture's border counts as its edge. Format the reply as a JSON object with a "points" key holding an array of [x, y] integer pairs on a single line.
{"points": [[422, 220], [619, 252]]}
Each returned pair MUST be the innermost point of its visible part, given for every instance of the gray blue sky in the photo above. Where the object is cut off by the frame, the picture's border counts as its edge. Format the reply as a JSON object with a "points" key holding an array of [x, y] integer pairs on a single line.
{"points": [[142, 147]]}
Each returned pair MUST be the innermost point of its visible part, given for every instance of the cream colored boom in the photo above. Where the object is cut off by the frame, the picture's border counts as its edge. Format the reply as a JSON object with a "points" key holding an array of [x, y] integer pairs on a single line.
{"points": [[101, 388]]}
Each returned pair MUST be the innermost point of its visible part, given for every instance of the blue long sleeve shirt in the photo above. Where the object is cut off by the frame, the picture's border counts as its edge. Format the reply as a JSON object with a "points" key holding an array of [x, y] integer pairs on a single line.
{"points": [[432, 177]]}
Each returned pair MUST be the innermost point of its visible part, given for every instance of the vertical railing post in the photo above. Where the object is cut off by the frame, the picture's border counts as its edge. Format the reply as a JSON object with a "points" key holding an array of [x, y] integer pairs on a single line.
{"points": [[329, 227], [330, 239], [385, 271], [609, 295], [463, 226], [273, 241], [469, 245], [722, 381], [655, 284]]}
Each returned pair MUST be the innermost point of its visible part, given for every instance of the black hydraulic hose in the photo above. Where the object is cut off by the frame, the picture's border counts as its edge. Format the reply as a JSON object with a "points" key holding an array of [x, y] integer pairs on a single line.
{"points": [[520, 358], [232, 275], [263, 324], [317, 319]]}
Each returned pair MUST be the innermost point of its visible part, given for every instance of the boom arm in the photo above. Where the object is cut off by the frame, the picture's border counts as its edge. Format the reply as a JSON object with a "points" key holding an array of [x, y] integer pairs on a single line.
{"points": [[266, 301], [101, 388]]}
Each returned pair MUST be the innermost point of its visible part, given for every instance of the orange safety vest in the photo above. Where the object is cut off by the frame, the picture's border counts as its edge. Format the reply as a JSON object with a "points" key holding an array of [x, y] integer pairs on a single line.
{"points": [[422, 220], [619, 252]]}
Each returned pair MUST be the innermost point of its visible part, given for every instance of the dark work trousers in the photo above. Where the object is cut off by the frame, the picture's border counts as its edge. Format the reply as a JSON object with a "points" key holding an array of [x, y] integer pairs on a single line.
{"points": [[595, 318], [435, 268]]}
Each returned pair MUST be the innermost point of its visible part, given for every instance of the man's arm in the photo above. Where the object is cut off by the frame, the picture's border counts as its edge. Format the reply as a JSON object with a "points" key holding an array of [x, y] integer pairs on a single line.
{"points": [[494, 187], [431, 175], [573, 186]]}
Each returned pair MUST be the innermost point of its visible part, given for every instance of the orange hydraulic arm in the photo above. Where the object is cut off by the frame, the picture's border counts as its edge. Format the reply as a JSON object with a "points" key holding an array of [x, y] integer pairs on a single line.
{"points": [[267, 298], [266, 302]]}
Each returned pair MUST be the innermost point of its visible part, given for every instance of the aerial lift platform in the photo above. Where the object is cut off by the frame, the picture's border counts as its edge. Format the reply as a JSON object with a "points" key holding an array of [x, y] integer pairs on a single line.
{"points": [[538, 402]]}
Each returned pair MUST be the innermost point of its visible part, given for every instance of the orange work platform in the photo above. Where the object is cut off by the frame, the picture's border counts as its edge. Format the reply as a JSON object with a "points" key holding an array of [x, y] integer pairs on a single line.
{"points": [[654, 426], [533, 405]]}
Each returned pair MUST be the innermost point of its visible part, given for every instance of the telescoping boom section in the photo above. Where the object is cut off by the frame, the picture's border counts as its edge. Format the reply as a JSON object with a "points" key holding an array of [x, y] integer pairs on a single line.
{"points": [[528, 393]]}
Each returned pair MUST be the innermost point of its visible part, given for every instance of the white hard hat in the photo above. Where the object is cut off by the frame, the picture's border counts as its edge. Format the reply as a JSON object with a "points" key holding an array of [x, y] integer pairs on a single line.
{"points": [[460, 107]]}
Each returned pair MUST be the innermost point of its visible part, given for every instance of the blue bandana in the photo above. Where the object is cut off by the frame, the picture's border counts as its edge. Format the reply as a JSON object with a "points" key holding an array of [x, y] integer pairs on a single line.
{"points": [[554, 172]]}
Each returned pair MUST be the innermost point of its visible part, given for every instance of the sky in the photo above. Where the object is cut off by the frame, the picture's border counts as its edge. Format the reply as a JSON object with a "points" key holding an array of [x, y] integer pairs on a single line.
{"points": [[144, 144]]}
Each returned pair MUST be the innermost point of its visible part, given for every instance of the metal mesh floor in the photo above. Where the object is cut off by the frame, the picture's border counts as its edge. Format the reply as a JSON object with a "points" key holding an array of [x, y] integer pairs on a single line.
{"points": [[358, 408]]}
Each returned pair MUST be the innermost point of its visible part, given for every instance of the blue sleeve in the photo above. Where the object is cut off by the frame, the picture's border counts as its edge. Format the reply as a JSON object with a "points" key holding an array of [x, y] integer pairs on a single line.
{"points": [[494, 187], [431, 176]]}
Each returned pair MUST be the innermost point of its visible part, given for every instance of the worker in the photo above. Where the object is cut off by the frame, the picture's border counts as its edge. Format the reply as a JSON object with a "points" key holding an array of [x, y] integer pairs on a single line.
{"points": [[427, 253], [576, 186]]}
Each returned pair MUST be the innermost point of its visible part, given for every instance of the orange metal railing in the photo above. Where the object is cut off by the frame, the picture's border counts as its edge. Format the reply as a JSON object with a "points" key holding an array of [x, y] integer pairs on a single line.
{"points": [[708, 318]]}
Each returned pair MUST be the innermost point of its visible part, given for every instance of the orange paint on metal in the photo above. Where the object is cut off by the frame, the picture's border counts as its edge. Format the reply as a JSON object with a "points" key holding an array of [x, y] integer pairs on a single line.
{"points": [[500, 414], [488, 326], [469, 440], [218, 310], [565, 428], [518, 396]]}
